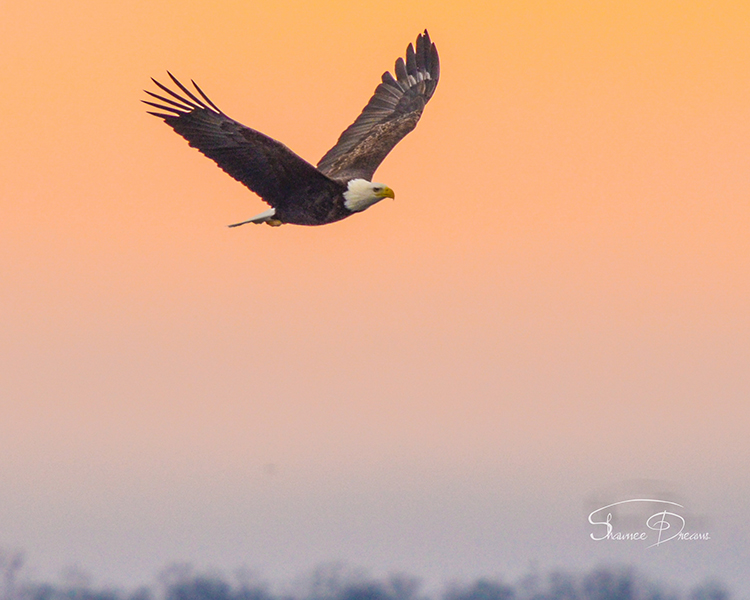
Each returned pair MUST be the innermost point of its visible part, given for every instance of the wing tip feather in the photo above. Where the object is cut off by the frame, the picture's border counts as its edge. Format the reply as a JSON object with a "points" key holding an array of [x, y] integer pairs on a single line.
{"points": [[160, 115], [181, 104]]}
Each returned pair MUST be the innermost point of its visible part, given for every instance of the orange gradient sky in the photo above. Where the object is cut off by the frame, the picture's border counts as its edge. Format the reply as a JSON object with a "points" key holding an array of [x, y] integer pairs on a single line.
{"points": [[557, 303]]}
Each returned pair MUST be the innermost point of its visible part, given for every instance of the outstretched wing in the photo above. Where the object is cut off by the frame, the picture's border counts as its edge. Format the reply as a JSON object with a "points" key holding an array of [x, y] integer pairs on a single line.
{"points": [[266, 166], [391, 113]]}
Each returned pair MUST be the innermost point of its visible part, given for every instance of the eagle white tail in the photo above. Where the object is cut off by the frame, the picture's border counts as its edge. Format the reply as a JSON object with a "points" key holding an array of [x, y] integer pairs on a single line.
{"points": [[263, 217]]}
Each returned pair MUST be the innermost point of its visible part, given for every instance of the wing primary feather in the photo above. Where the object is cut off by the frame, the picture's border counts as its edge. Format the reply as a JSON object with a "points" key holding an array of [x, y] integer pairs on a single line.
{"points": [[174, 94], [391, 80], [177, 112], [182, 106], [434, 63], [206, 98], [160, 115], [187, 91], [411, 60], [426, 42], [421, 55], [401, 74]]}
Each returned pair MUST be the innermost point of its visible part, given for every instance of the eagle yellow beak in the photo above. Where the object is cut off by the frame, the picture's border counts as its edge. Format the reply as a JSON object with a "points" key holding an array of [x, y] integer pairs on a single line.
{"points": [[386, 192]]}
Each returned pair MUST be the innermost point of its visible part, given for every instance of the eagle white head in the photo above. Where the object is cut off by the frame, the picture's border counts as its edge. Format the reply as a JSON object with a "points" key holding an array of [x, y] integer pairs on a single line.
{"points": [[361, 194]]}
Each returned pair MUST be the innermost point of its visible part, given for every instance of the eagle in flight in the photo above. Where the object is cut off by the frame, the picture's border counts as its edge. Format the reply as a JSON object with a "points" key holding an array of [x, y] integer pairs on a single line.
{"points": [[298, 192]]}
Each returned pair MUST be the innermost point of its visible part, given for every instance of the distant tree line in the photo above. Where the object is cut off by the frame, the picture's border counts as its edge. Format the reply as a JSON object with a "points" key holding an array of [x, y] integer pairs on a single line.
{"points": [[338, 582]]}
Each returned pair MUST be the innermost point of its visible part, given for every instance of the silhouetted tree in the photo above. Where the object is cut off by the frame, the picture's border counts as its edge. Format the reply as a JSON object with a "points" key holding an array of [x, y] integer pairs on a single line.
{"points": [[482, 589], [141, 593], [200, 588], [403, 587], [609, 584], [710, 590], [364, 591], [330, 580], [337, 581], [562, 586], [11, 563]]}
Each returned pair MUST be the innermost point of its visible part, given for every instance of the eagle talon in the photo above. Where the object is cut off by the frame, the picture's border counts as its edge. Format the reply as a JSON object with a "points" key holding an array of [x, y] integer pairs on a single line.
{"points": [[274, 223]]}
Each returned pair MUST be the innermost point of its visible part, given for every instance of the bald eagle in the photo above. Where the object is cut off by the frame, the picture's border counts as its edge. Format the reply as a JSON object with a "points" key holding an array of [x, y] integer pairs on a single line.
{"points": [[298, 192]]}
